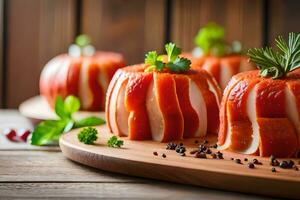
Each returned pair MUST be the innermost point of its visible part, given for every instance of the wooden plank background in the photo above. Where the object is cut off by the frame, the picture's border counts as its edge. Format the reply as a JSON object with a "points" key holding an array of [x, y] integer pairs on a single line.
{"points": [[33, 31]]}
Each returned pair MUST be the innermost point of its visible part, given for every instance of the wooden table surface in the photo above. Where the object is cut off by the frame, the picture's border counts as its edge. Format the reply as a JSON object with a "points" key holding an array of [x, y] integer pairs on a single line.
{"points": [[28, 172]]}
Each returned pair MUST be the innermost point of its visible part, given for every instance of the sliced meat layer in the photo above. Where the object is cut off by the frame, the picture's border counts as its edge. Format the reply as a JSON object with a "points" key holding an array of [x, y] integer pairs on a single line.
{"points": [[239, 124], [166, 120], [210, 99], [277, 137], [185, 95], [136, 94], [108, 99], [114, 107]]}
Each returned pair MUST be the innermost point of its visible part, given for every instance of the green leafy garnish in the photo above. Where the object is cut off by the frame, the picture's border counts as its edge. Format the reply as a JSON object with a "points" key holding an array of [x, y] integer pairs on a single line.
{"points": [[49, 131], [277, 64], [115, 142], [82, 40], [211, 40], [87, 135], [174, 63]]}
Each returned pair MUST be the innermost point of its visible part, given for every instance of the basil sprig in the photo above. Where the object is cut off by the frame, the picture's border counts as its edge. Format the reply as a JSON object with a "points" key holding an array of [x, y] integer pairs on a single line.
{"points": [[49, 131]]}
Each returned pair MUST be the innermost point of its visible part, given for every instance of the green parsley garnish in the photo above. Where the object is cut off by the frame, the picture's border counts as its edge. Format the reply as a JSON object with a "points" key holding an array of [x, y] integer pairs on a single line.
{"points": [[211, 40], [115, 142], [49, 131], [277, 64], [174, 62], [87, 135], [82, 40]]}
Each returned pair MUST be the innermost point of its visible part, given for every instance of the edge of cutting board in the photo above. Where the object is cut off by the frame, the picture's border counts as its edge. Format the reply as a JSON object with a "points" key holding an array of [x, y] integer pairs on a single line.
{"points": [[136, 158]]}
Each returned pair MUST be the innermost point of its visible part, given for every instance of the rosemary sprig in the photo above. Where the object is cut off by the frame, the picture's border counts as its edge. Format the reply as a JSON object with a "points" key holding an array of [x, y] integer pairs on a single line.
{"points": [[277, 64]]}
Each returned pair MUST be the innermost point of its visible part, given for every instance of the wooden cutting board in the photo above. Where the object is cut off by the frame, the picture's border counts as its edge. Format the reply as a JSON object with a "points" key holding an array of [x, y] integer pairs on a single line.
{"points": [[136, 158], [37, 109]]}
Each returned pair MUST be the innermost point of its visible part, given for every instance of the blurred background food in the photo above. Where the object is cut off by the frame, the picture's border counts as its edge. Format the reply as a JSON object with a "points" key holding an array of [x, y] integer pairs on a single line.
{"points": [[34, 31]]}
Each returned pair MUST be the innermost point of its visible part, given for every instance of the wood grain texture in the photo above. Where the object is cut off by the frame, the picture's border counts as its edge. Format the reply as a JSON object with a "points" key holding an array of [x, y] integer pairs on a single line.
{"points": [[37, 31], [155, 190], [49, 166], [242, 20], [137, 159], [283, 18], [131, 27]]}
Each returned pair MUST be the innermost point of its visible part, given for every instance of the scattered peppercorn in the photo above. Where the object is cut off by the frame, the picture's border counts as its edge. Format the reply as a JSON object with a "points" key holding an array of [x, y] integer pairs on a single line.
{"points": [[275, 163], [208, 151], [245, 159], [180, 149], [196, 141], [238, 161], [171, 146], [213, 155], [273, 169], [215, 146], [205, 142], [200, 155], [219, 155], [231, 158], [181, 144], [155, 153], [291, 164], [272, 158], [164, 155], [251, 165], [284, 164], [256, 162]]}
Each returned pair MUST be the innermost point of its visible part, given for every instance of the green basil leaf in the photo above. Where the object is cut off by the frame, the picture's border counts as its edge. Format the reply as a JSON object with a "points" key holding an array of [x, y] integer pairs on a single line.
{"points": [[89, 121], [71, 105], [69, 126], [48, 132], [60, 108]]}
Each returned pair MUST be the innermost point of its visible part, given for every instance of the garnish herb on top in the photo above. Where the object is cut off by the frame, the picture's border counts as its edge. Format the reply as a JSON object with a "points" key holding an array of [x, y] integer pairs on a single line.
{"points": [[174, 62], [49, 131], [82, 47], [211, 40], [87, 135], [115, 142], [277, 64]]}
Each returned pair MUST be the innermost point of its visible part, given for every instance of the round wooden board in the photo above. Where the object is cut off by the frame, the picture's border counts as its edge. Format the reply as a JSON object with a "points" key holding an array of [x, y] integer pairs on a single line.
{"points": [[136, 158], [37, 108]]}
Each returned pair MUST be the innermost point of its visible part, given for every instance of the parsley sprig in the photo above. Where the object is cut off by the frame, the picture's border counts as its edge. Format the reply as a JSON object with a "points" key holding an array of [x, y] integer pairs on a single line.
{"points": [[115, 142], [49, 131], [174, 63], [211, 40], [87, 135], [277, 64]]}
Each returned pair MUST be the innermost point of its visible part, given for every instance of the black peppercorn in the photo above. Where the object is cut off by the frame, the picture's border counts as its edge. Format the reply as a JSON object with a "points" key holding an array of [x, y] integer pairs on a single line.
{"points": [[164, 155], [291, 164], [213, 155], [273, 169], [155, 153], [238, 161], [246, 159], [284, 164], [196, 141], [256, 162], [251, 165], [200, 155]]}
